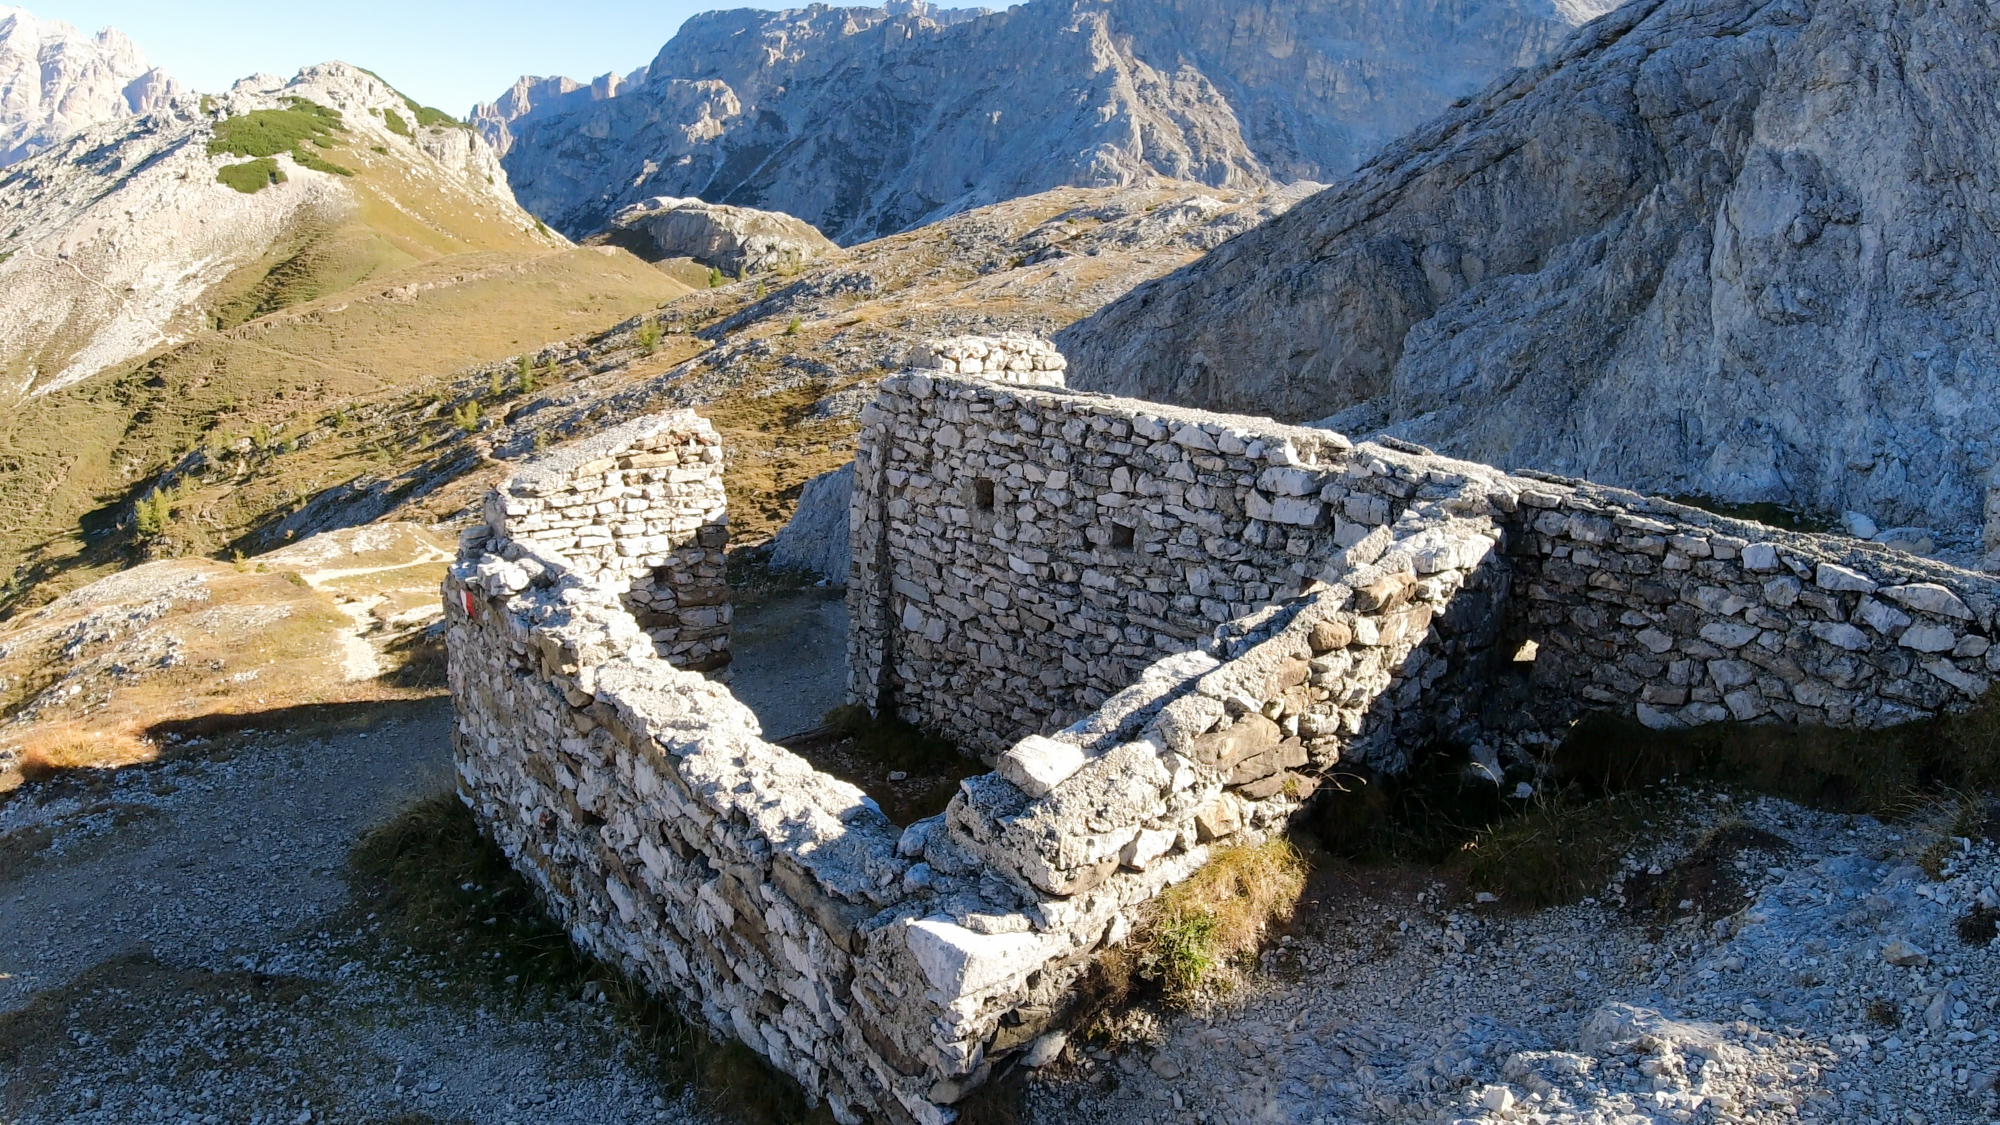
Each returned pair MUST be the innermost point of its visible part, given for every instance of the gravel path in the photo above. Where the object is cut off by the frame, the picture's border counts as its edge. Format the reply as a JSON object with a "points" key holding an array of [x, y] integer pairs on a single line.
{"points": [[1843, 992], [180, 947]]}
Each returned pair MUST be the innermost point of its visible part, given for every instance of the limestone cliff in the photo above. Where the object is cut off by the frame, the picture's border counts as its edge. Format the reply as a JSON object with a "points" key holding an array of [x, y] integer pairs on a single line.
{"points": [[55, 80], [1742, 248], [868, 121]]}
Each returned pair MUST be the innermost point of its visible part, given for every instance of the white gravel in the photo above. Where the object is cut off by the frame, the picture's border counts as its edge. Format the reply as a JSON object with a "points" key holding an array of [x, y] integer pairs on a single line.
{"points": [[1401, 1001]]}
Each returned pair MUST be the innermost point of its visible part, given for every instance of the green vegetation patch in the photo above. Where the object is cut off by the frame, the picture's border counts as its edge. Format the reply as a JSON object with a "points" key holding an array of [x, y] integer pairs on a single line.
{"points": [[251, 176], [396, 123], [268, 132], [298, 128]]}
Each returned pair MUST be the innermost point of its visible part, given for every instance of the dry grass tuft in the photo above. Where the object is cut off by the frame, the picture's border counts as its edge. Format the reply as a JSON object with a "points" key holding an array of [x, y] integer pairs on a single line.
{"points": [[52, 750], [1195, 937]]}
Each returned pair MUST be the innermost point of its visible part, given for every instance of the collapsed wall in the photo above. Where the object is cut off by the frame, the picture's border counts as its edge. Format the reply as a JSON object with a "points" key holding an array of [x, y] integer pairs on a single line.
{"points": [[1162, 626]]}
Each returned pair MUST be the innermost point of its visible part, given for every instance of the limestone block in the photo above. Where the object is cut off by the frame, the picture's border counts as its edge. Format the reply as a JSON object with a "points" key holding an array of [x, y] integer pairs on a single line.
{"points": [[958, 962], [1037, 765], [1841, 580], [1972, 685], [1251, 734], [1762, 557], [1929, 597], [1928, 638]]}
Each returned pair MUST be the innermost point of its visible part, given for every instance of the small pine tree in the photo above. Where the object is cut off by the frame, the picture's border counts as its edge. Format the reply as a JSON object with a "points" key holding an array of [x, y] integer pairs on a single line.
{"points": [[496, 385], [792, 327], [153, 513], [524, 380], [551, 372], [714, 278], [466, 417], [760, 290], [649, 337], [541, 441]]}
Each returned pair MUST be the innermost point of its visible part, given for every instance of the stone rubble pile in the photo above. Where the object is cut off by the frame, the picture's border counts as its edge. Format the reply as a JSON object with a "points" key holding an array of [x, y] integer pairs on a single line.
{"points": [[1163, 627]]}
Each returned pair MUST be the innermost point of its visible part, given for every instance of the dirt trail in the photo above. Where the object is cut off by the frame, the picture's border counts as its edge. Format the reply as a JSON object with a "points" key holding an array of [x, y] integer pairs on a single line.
{"points": [[359, 658]]}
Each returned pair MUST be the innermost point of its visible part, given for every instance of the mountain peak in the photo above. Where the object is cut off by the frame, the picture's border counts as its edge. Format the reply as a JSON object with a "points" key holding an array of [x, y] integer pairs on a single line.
{"points": [[56, 80]]}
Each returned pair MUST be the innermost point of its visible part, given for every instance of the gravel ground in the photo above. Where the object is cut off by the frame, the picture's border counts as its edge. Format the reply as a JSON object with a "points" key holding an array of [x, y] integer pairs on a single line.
{"points": [[790, 664], [181, 947], [1841, 992]]}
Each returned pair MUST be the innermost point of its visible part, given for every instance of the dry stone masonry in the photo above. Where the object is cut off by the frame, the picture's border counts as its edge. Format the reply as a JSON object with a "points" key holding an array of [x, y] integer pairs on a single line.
{"points": [[641, 506], [1162, 627]]}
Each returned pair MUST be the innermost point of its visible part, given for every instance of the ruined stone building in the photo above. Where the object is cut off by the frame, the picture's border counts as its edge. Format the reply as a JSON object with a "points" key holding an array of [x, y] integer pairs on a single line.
{"points": [[1161, 627]]}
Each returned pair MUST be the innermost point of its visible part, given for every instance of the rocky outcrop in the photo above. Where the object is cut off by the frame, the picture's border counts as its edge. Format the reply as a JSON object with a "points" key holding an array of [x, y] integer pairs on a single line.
{"points": [[735, 240], [533, 99], [1741, 248], [867, 121], [815, 539], [55, 80], [124, 231]]}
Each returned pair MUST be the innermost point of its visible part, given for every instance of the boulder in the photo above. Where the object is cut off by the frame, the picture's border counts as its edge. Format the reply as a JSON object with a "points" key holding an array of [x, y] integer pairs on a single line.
{"points": [[816, 538], [735, 240]]}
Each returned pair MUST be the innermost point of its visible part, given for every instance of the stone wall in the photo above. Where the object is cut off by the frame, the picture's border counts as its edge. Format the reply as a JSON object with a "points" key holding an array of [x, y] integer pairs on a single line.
{"points": [[1680, 618], [640, 505], [1285, 603], [1021, 554], [1025, 360]]}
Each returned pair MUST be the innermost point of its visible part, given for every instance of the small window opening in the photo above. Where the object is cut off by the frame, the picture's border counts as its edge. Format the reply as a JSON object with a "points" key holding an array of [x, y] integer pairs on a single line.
{"points": [[982, 495], [1122, 537]]}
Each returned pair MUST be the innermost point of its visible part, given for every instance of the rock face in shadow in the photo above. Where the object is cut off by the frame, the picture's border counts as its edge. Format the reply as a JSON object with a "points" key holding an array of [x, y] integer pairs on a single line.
{"points": [[735, 240], [1742, 248], [816, 538], [869, 121]]}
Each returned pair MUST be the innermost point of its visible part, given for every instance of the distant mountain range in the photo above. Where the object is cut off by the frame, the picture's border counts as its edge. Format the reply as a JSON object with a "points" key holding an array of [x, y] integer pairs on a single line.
{"points": [[867, 121], [55, 80]]}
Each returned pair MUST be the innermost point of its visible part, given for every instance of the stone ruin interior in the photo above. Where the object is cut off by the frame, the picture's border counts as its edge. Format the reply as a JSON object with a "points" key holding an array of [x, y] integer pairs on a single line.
{"points": [[1161, 628]]}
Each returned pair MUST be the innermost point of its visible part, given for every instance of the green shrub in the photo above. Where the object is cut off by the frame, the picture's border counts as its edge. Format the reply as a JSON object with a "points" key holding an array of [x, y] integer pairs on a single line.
{"points": [[1191, 935], [268, 132], [307, 159], [541, 228], [466, 417], [541, 441], [649, 337], [714, 278], [792, 327], [760, 290], [251, 176]]}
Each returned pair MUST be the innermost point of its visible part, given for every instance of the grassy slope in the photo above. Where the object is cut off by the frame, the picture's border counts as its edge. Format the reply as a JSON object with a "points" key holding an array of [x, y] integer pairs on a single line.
{"points": [[70, 460]]}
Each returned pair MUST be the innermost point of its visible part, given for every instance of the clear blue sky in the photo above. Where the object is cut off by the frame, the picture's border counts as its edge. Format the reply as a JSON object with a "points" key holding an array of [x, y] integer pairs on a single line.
{"points": [[445, 55]]}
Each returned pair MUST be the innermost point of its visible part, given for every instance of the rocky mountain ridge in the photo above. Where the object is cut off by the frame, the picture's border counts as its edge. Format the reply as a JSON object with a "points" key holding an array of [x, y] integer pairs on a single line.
{"points": [[56, 80], [868, 121], [1733, 248], [128, 237]]}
